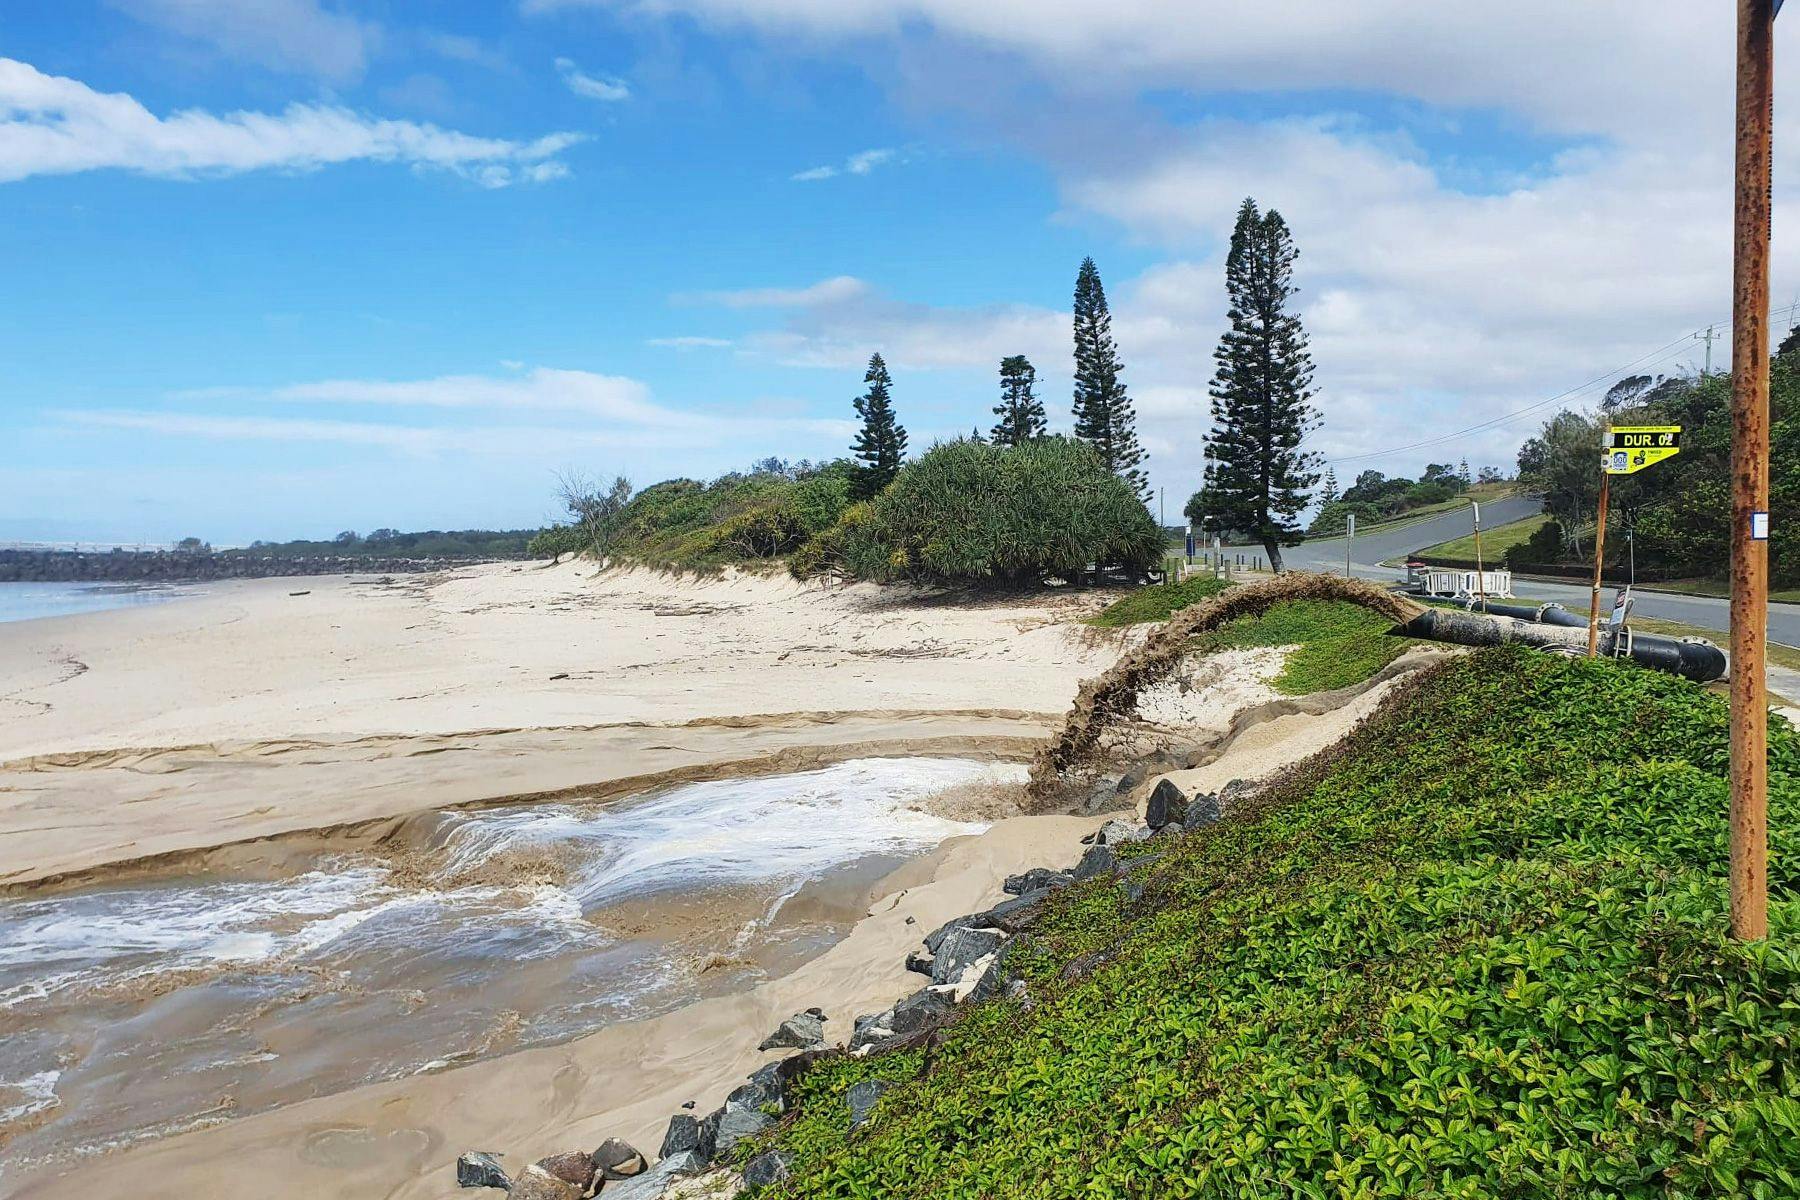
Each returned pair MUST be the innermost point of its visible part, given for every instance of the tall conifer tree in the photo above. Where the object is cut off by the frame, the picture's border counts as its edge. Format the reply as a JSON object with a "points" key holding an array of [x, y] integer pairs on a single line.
{"points": [[1262, 391], [1021, 413], [1328, 491], [1104, 416], [881, 443]]}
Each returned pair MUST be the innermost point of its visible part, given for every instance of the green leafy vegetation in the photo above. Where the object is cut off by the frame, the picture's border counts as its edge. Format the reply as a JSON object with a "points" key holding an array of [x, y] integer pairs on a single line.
{"points": [[741, 518], [969, 512], [1336, 643], [1479, 951], [1680, 510], [1154, 602], [392, 543]]}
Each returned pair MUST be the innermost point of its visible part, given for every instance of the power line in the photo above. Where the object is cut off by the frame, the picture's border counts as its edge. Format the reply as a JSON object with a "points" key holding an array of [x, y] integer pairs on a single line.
{"points": [[1666, 351]]}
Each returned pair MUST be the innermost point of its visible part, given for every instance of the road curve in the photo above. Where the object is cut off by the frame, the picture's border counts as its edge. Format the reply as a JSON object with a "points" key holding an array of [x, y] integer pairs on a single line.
{"points": [[1368, 551]]}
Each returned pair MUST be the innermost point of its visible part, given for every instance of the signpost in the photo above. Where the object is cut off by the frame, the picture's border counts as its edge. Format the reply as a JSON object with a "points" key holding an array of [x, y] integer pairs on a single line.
{"points": [[1480, 583], [1349, 536], [1629, 449]]}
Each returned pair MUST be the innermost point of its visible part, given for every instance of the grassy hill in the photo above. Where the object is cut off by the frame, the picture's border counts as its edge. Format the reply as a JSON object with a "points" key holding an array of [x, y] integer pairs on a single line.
{"points": [[1478, 951]]}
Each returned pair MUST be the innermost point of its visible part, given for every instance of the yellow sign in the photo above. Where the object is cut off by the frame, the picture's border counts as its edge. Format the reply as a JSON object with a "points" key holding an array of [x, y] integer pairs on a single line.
{"points": [[1631, 448]]}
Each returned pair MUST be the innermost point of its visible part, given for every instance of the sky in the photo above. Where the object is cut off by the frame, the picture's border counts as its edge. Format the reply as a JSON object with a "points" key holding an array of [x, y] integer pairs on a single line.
{"points": [[279, 268]]}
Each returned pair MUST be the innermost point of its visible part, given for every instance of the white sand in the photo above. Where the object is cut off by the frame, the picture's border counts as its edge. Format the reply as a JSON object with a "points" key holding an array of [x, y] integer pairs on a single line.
{"points": [[252, 712]]}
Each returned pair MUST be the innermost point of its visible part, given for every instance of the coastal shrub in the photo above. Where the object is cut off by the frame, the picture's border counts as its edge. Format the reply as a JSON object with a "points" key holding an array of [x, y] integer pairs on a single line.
{"points": [[745, 518], [555, 541], [1479, 950], [972, 512]]}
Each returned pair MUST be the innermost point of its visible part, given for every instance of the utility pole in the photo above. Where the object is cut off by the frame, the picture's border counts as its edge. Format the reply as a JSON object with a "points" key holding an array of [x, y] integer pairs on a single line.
{"points": [[1750, 472], [1706, 337]]}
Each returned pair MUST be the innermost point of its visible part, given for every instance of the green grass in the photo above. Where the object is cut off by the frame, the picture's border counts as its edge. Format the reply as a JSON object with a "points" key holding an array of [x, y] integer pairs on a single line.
{"points": [[1716, 587], [1156, 601], [1481, 951], [1495, 543], [1337, 643]]}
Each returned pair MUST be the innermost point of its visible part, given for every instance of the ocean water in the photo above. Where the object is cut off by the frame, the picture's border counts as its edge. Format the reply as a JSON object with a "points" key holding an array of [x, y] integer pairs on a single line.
{"points": [[128, 1010], [29, 601]]}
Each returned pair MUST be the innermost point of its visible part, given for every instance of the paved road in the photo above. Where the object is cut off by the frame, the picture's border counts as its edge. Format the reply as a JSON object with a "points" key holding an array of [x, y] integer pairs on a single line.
{"points": [[1368, 551]]}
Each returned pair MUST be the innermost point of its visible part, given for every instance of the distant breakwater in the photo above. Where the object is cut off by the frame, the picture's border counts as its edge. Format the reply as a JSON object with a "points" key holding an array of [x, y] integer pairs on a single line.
{"points": [[126, 566]]}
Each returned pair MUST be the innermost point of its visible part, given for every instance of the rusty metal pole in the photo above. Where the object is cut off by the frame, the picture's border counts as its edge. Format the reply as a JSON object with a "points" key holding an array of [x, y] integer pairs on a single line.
{"points": [[1750, 472], [1599, 556]]}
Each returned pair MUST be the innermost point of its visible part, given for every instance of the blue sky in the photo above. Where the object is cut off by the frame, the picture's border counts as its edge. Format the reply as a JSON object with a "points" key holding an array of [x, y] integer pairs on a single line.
{"points": [[284, 267]]}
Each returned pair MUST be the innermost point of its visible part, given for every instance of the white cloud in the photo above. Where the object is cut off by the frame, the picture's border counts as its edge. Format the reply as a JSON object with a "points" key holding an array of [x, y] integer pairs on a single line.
{"points": [[594, 87], [1612, 66], [861, 163], [52, 125], [615, 411], [827, 291], [287, 35], [690, 343]]}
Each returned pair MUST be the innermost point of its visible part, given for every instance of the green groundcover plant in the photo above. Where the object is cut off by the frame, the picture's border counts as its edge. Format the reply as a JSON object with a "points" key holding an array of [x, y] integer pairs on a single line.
{"points": [[1480, 950]]}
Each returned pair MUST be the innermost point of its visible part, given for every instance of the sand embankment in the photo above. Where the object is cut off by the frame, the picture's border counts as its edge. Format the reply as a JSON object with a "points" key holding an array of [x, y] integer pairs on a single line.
{"points": [[252, 712]]}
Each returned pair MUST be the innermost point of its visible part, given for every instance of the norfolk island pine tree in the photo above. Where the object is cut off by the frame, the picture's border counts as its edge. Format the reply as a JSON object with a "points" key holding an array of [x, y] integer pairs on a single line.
{"points": [[881, 442], [1104, 416]]}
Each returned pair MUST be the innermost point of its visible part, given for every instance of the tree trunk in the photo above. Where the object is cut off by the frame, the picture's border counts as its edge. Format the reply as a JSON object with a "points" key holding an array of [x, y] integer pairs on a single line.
{"points": [[1274, 549]]}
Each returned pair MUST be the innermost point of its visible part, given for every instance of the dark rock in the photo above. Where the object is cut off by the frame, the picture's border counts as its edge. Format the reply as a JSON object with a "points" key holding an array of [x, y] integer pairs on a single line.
{"points": [[862, 1098], [618, 1159], [763, 1090], [872, 1030], [1036, 879], [1235, 789], [658, 1179], [1012, 915], [1168, 804], [921, 1010], [736, 1124], [1099, 860], [1195, 759], [919, 962], [687, 1134], [1129, 781], [1202, 810], [766, 1170], [478, 1168], [802, 1031], [1117, 832], [572, 1168], [934, 940], [688, 1104], [961, 949], [535, 1183]]}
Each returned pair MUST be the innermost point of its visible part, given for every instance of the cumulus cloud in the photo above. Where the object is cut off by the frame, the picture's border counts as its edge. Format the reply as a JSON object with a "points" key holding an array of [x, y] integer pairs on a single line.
{"points": [[53, 125], [690, 342], [285, 35], [861, 163], [837, 289], [615, 411], [594, 87]]}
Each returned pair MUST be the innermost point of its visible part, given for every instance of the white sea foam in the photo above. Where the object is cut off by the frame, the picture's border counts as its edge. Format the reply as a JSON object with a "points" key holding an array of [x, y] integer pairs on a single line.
{"points": [[26, 1097]]}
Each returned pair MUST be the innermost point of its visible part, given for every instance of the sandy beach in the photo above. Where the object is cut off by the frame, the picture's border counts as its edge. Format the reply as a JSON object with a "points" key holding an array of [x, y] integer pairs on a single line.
{"points": [[254, 726]]}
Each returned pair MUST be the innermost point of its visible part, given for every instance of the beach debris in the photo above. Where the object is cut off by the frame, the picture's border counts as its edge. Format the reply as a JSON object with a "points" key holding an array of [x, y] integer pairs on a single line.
{"points": [[535, 1183], [304, 592], [480, 1169], [802, 1031], [572, 1168], [961, 949], [862, 1098], [689, 1134], [617, 1159], [766, 1170]]}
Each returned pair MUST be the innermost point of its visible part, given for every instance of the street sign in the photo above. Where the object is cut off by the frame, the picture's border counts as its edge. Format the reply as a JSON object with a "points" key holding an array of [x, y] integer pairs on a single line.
{"points": [[1631, 448]]}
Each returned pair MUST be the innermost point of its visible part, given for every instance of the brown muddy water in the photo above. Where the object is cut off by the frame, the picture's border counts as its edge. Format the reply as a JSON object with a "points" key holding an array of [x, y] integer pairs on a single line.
{"points": [[141, 1009]]}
